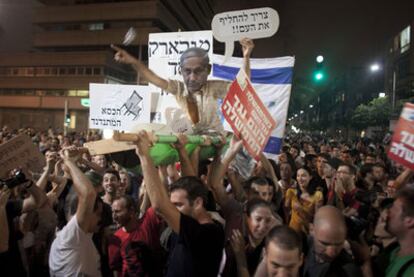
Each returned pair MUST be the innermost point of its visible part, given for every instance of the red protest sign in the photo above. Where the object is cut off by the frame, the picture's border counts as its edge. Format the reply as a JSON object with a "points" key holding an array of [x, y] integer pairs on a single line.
{"points": [[402, 144], [247, 115]]}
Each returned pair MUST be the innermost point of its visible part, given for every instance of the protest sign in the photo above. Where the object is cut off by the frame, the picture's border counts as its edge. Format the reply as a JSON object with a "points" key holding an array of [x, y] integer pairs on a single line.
{"points": [[118, 107], [253, 23], [20, 152], [164, 52], [247, 115], [165, 49], [402, 144], [272, 80]]}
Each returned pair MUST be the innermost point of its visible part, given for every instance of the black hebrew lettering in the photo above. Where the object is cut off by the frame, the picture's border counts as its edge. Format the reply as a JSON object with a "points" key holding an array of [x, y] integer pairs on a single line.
{"points": [[181, 42], [175, 65], [204, 42], [165, 45], [263, 26], [172, 47], [153, 49], [176, 46]]}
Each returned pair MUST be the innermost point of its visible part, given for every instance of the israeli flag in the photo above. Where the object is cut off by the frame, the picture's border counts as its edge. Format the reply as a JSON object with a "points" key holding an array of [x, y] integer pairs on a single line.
{"points": [[272, 80]]}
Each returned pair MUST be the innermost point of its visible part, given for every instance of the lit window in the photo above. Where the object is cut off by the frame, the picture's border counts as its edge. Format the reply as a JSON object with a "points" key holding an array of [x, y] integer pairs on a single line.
{"points": [[405, 39], [96, 26], [83, 93]]}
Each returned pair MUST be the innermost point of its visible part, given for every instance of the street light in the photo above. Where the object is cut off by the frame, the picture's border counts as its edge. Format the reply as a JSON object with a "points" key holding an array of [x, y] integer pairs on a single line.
{"points": [[374, 67], [381, 95], [319, 59], [311, 106], [301, 112]]}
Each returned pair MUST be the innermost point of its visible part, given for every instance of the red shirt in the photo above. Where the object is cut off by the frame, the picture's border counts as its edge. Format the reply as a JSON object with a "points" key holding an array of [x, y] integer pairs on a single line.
{"points": [[136, 253]]}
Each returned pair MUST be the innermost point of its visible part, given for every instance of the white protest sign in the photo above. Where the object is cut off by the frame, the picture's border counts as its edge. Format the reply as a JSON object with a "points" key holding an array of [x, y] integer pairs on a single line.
{"points": [[164, 52], [118, 107], [165, 49], [253, 23]]}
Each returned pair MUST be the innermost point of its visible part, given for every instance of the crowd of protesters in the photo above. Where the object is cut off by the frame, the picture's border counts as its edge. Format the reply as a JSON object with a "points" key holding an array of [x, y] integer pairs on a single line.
{"points": [[322, 208]]}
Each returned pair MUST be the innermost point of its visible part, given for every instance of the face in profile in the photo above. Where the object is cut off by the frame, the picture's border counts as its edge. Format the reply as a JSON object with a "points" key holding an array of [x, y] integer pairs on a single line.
{"points": [[282, 262]]}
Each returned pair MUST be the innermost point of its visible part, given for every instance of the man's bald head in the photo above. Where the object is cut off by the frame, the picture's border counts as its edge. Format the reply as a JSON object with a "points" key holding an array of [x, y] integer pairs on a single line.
{"points": [[329, 217], [329, 233]]}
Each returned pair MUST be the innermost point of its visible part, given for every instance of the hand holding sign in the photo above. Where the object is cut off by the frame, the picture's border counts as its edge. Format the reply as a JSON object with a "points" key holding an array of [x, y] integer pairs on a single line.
{"points": [[254, 23]]}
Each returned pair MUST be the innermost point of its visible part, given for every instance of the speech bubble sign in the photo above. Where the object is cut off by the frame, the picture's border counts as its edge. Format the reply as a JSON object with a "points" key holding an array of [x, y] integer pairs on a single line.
{"points": [[252, 23]]}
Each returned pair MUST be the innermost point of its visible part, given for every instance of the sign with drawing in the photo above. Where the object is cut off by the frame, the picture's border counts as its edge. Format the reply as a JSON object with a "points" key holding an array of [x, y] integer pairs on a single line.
{"points": [[118, 107]]}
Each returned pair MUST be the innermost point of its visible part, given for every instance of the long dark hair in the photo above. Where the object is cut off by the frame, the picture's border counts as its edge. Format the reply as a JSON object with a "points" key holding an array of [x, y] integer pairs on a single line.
{"points": [[312, 186]]}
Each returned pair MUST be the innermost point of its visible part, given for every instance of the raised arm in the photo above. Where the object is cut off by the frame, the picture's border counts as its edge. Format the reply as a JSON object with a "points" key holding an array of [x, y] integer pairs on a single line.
{"points": [[186, 166], [247, 46], [50, 163], [403, 178], [218, 170], [123, 56], [83, 187], [156, 190], [36, 199]]}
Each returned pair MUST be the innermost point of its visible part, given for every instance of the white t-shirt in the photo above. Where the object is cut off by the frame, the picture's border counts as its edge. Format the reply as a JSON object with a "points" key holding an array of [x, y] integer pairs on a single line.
{"points": [[73, 253]]}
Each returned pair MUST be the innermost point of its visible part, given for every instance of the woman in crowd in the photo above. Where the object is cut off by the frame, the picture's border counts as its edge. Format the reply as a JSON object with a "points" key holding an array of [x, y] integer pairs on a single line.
{"points": [[302, 202]]}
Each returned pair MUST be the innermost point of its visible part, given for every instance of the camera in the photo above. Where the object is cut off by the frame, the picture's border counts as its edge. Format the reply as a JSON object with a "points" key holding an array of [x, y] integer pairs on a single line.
{"points": [[18, 179]]}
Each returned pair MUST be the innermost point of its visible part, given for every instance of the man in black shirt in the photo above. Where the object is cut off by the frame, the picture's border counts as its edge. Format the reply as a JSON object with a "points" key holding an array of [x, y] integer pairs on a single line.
{"points": [[199, 246]]}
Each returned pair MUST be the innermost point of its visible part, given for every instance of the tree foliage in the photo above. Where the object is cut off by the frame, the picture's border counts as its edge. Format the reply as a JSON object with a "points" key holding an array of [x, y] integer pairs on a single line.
{"points": [[376, 113]]}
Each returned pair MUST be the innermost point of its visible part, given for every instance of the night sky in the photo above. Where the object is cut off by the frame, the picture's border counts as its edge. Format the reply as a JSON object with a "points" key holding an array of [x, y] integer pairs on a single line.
{"points": [[348, 33]]}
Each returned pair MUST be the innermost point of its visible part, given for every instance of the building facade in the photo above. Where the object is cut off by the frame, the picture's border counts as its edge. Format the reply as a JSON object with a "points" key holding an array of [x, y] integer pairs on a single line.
{"points": [[399, 68], [71, 50]]}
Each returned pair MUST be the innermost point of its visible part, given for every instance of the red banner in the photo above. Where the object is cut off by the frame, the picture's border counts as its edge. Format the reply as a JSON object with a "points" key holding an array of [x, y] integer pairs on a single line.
{"points": [[247, 115], [402, 144]]}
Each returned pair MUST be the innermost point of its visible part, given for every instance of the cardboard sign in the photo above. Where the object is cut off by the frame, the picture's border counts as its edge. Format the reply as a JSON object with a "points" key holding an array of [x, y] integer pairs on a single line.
{"points": [[107, 146], [164, 52], [20, 152], [253, 23], [402, 144], [247, 115], [118, 107]]}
